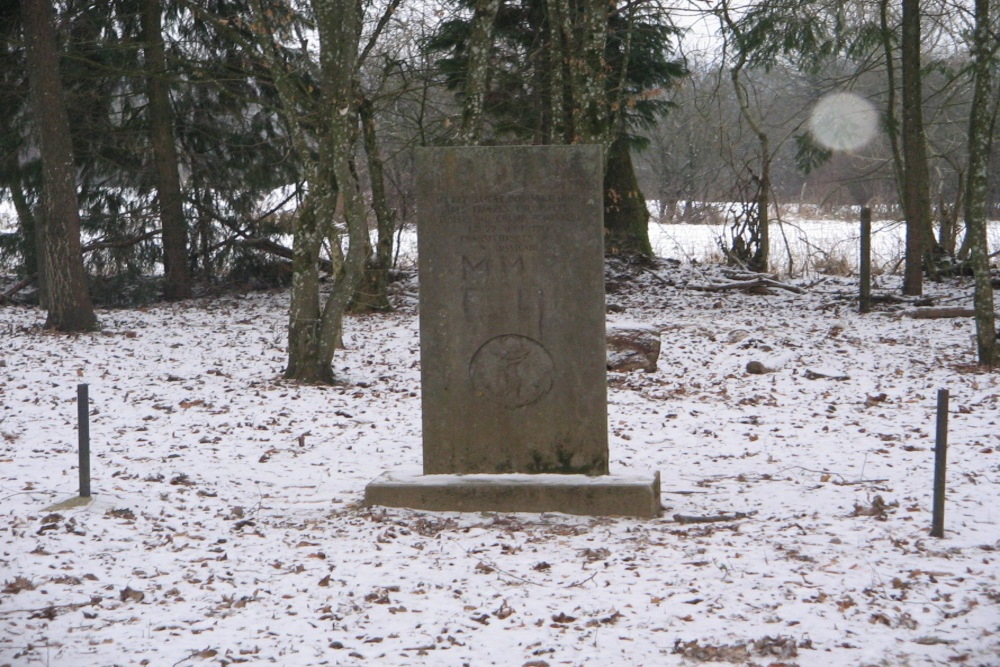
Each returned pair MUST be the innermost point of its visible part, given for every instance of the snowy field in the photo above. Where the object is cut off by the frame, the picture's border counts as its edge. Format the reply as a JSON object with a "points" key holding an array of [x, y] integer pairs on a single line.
{"points": [[807, 247], [226, 527]]}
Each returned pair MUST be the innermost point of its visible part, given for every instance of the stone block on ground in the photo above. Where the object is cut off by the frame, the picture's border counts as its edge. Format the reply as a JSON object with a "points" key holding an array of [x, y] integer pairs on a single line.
{"points": [[633, 347]]}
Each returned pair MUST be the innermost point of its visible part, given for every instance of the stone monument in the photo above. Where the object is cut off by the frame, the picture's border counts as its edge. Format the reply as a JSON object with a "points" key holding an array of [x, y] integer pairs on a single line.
{"points": [[512, 337]]}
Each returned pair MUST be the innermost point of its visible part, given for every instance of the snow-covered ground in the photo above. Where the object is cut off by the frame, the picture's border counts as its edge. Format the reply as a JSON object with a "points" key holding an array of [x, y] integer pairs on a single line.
{"points": [[226, 526]]}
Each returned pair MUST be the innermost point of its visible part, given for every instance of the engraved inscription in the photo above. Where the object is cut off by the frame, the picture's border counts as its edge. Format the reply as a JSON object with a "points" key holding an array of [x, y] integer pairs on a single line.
{"points": [[505, 222], [473, 268], [525, 304], [511, 370], [486, 267]]}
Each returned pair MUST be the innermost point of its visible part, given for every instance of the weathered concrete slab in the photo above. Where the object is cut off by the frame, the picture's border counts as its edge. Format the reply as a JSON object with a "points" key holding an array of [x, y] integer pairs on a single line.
{"points": [[604, 495], [512, 310]]}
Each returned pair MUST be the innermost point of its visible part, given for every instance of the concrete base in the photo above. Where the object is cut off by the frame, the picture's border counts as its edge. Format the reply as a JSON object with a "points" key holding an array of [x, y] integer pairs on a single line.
{"points": [[605, 495]]}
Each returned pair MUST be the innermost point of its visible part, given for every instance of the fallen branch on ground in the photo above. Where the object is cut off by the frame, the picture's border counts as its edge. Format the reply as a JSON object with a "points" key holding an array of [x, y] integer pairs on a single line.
{"points": [[860, 481], [757, 283], [716, 518], [734, 274], [881, 298], [17, 287], [937, 313]]}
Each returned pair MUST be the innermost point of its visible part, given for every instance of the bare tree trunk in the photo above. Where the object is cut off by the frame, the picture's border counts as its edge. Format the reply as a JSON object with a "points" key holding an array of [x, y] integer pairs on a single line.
{"points": [[29, 246], [761, 253], [892, 126], [373, 294], [916, 177], [477, 70], [977, 192], [560, 124], [303, 319], [177, 279], [588, 78], [68, 301], [339, 25]]}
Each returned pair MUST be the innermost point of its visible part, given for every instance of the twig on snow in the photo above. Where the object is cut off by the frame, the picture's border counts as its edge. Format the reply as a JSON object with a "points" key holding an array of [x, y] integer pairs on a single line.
{"points": [[51, 609], [577, 584]]}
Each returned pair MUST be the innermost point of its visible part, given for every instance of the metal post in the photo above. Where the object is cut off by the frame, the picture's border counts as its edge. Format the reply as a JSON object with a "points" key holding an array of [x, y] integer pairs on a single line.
{"points": [[940, 463], [83, 419], [865, 265]]}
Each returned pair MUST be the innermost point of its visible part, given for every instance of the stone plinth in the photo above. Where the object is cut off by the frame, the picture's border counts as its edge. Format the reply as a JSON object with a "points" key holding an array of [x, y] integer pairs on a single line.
{"points": [[512, 338], [603, 495]]}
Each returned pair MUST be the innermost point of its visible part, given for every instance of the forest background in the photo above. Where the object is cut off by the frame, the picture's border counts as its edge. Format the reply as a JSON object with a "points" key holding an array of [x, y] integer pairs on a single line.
{"points": [[151, 149]]}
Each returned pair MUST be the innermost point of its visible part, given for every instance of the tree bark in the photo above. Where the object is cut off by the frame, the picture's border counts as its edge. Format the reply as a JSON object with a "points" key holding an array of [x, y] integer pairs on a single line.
{"points": [[304, 313], [589, 78], [626, 219], [68, 301], [314, 331], [477, 71], [558, 128], [177, 278], [916, 177], [760, 258], [373, 293], [977, 191], [892, 127], [339, 25]]}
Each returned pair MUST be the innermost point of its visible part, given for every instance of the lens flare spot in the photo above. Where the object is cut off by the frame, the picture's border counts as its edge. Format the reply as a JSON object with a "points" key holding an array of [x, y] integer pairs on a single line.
{"points": [[843, 122]]}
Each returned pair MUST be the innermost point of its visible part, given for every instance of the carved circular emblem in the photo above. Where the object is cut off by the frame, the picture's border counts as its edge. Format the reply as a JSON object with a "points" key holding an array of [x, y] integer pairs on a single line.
{"points": [[511, 370]]}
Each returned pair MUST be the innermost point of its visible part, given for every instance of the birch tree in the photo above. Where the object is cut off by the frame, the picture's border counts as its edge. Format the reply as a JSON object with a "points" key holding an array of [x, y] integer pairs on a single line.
{"points": [[477, 70], [977, 191], [326, 151]]}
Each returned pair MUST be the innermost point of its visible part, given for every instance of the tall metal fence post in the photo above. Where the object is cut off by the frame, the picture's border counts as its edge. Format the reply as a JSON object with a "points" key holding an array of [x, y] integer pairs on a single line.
{"points": [[865, 263], [83, 419], [940, 463]]}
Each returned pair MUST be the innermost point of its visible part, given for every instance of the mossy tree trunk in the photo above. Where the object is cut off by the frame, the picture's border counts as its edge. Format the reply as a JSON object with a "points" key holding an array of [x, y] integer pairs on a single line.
{"points": [[977, 192], [314, 327], [626, 218]]}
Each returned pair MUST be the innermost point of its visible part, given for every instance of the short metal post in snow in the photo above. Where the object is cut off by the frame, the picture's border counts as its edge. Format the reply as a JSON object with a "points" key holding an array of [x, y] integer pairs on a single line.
{"points": [[940, 463], [83, 419], [865, 263]]}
